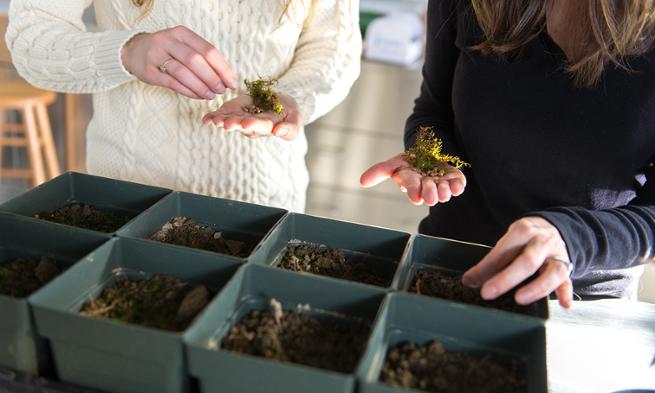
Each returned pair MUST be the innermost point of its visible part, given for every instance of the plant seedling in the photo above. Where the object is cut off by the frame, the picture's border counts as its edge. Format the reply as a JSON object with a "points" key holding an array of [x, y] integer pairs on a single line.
{"points": [[426, 157], [264, 99]]}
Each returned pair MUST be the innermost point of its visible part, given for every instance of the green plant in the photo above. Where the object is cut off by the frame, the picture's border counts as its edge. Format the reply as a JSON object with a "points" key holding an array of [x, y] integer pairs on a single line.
{"points": [[264, 99], [426, 157]]}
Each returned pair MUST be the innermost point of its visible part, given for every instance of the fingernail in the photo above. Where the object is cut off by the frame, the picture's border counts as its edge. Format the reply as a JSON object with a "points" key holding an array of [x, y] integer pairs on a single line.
{"points": [[489, 292], [210, 95], [220, 88], [469, 283], [403, 189], [282, 132]]}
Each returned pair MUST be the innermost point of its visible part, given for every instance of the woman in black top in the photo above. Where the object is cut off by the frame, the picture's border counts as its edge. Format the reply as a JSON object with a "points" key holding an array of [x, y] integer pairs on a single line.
{"points": [[553, 105]]}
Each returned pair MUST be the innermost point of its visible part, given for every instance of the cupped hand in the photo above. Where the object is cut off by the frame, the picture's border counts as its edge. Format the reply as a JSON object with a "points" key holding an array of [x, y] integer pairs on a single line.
{"points": [[232, 117], [191, 66], [530, 245], [420, 189]]}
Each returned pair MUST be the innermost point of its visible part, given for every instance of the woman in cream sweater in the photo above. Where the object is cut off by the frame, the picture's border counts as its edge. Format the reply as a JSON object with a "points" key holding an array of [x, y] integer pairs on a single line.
{"points": [[157, 68]]}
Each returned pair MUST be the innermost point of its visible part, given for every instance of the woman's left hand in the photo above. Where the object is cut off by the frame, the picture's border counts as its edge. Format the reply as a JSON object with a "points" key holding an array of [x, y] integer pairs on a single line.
{"points": [[232, 117], [530, 244]]}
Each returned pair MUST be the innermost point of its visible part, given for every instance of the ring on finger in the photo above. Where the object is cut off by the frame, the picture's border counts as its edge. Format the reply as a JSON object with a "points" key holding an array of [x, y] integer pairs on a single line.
{"points": [[567, 264], [163, 67]]}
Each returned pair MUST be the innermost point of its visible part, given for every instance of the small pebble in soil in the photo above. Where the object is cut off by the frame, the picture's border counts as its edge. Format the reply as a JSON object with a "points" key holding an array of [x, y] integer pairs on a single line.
{"points": [[184, 231], [162, 302], [22, 277], [87, 217], [431, 368], [332, 262], [330, 343], [433, 283]]}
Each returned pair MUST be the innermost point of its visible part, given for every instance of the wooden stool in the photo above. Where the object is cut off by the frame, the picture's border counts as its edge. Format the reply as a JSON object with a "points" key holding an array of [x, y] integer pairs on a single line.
{"points": [[34, 132]]}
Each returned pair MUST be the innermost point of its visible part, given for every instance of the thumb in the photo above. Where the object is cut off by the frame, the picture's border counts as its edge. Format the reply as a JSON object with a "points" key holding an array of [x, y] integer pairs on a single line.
{"points": [[289, 128], [378, 173]]}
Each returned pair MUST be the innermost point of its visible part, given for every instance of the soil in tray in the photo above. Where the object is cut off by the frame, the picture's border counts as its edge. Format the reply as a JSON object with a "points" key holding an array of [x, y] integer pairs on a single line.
{"points": [[327, 342], [22, 277], [431, 368], [447, 286], [162, 302], [87, 217], [334, 262], [184, 231]]}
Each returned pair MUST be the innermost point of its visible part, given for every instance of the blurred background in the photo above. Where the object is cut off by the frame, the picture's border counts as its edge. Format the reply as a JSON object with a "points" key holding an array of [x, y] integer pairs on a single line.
{"points": [[366, 128]]}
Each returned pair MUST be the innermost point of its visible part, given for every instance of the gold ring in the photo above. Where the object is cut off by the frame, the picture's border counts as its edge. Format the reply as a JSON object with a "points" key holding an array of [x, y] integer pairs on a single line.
{"points": [[568, 265], [163, 66]]}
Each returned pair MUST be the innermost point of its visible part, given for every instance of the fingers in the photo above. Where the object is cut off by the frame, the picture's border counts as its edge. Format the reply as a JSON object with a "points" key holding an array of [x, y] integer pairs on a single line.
{"points": [[213, 57], [457, 185], [429, 191], [410, 181], [188, 79], [443, 190], [173, 84], [565, 293], [552, 276], [290, 127], [382, 171]]}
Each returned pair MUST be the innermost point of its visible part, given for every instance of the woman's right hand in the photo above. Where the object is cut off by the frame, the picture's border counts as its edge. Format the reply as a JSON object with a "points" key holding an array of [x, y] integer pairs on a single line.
{"points": [[192, 66], [420, 189]]}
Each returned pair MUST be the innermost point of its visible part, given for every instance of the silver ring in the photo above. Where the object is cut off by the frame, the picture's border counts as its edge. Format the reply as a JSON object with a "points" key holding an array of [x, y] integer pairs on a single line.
{"points": [[568, 265], [163, 66]]}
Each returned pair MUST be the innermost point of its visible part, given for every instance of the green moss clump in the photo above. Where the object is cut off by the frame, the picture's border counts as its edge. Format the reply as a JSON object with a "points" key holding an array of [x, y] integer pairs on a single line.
{"points": [[264, 99], [426, 157]]}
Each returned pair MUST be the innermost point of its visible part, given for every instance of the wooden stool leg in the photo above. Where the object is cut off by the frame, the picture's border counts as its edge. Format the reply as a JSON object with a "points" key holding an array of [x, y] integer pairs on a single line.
{"points": [[33, 145], [48, 142]]}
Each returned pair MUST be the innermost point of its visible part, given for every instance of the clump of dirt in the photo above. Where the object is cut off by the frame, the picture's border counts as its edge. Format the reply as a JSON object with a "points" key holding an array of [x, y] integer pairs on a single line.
{"points": [[450, 287], [22, 277], [431, 368], [162, 302], [330, 343], [87, 217], [332, 262], [184, 231]]}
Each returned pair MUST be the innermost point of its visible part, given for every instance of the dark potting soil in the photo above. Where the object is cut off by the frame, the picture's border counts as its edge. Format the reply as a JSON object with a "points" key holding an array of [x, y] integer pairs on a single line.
{"points": [[329, 343], [162, 302], [332, 262], [450, 287], [87, 217], [431, 368], [184, 231], [22, 277]]}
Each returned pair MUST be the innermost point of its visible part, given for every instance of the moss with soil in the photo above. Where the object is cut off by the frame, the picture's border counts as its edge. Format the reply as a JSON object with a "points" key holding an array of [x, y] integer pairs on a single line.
{"points": [[87, 217], [431, 368], [22, 277], [332, 262], [427, 158], [446, 286], [184, 231], [264, 99], [162, 302], [330, 343]]}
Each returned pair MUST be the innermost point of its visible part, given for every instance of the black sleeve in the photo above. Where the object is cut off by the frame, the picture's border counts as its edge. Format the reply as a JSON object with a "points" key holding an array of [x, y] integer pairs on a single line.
{"points": [[433, 108], [609, 239]]}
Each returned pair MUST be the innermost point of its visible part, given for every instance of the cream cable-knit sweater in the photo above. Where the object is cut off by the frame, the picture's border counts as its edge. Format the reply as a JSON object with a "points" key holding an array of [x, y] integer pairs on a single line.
{"points": [[150, 134]]}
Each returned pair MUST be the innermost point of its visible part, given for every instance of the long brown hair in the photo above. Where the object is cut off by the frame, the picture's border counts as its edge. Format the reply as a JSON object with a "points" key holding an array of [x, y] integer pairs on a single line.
{"points": [[611, 30], [148, 4]]}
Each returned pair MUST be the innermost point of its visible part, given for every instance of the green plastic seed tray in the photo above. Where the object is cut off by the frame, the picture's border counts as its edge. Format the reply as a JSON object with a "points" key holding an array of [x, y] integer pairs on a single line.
{"points": [[118, 197], [378, 247], [20, 237], [240, 221], [452, 258], [110, 355], [219, 370], [458, 327]]}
